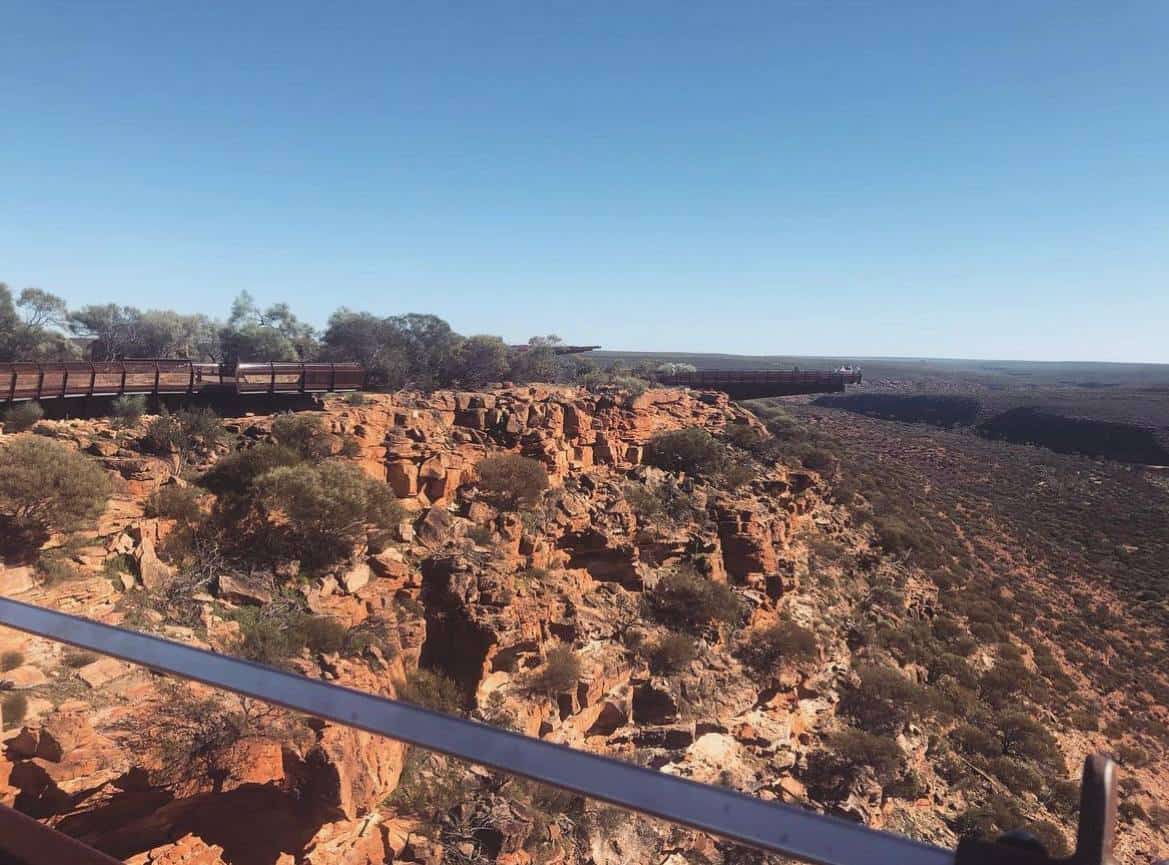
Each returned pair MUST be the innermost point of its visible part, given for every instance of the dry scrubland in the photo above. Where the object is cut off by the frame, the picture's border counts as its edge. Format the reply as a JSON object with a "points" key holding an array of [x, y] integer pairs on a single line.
{"points": [[916, 628]]}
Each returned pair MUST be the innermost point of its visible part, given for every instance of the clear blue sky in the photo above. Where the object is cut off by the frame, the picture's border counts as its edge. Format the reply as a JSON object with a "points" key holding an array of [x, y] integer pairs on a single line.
{"points": [[973, 179]]}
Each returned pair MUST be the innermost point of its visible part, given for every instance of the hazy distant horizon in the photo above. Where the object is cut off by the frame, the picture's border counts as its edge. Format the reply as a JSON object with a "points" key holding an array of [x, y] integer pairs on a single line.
{"points": [[928, 180]]}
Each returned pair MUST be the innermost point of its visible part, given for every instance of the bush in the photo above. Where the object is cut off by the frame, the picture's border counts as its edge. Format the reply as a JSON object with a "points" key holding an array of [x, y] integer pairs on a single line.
{"points": [[76, 659], [884, 701], [765, 649], [236, 473], [128, 409], [671, 654], [13, 708], [509, 480], [301, 433], [662, 505], [54, 569], [176, 503], [687, 601], [183, 433], [692, 450], [272, 635], [10, 661], [327, 508], [22, 416], [560, 673], [356, 398], [832, 770], [431, 690], [45, 485]]}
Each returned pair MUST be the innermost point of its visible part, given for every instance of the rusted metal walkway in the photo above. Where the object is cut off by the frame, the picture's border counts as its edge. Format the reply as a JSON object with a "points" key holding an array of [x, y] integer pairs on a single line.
{"points": [[751, 384], [157, 377]]}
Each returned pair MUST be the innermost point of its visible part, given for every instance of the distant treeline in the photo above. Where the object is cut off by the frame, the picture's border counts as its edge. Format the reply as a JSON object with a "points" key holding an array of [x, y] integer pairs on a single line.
{"points": [[410, 350]]}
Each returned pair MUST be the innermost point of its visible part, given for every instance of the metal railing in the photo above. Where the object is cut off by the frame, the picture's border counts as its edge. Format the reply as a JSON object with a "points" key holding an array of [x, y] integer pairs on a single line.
{"points": [[160, 376], [767, 826]]}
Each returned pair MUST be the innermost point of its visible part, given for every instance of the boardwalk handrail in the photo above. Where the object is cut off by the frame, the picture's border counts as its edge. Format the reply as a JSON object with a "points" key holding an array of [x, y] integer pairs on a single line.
{"points": [[22, 380], [765, 825]]}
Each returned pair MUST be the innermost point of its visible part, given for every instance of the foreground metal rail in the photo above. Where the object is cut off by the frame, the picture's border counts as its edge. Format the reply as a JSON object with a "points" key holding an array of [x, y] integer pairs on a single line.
{"points": [[768, 826]]}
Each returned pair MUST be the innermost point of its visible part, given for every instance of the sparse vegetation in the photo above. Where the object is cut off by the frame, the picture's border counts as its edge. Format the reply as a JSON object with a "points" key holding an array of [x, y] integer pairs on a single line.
{"points": [[13, 709], [10, 661], [46, 486], [511, 481], [764, 650], [560, 672], [326, 508], [692, 450], [127, 410], [22, 416], [433, 690], [670, 654], [685, 600], [175, 502]]}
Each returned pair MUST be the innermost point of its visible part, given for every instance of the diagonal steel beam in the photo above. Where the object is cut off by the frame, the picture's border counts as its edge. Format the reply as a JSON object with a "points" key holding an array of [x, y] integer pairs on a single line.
{"points": [[765, 825]]}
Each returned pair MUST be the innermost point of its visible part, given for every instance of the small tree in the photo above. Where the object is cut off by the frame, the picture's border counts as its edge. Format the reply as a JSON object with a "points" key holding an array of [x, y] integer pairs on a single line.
{"points": [[765, 649], [432, 690], [671, 654], [560, 673], [128, 409], [22, 416], [183, 433], [299, 432], [683, 599], [510, 480], [46, 486], [328, 507], [176, 503], [692, 450]]}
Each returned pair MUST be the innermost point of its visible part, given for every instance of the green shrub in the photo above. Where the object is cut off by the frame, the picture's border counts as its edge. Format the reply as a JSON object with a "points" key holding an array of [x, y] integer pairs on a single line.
{"points": [[509, 480], [54, 569], [692, 450], [432, 690], [128, 409], [237, 472], [327, 507], [10, 661], [183, 433], [76, 659], [22, 416], [1021, 735], [272, 635], [48, 486], [302, 433], [884, 701], [560, 673], [832, 770], [663, 505], [763, 650], [13, 708], [817, 459], [671, 654], [175, 502], [735, 474], [356, 398], [689, 602], [482, 535]]}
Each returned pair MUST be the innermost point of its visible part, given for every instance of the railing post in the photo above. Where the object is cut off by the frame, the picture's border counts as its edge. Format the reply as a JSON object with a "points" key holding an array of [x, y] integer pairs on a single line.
{"points": [[157, 377], [40, 381], [64, 380], [272, 377], [303, 376], [12, 385], [190, 377], [122, 386], [332, 377]]}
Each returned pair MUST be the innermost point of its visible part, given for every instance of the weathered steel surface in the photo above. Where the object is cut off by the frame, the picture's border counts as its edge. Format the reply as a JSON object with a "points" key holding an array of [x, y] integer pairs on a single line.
{"points": [[41, 381]]}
